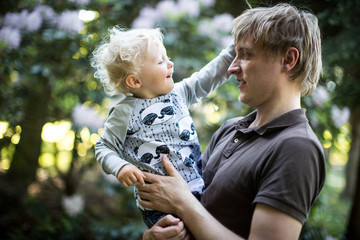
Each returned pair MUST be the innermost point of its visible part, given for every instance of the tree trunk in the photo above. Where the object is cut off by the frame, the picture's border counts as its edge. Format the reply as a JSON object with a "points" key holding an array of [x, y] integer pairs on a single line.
{"points": [[354, 155], [25, 162], [353, 228]]}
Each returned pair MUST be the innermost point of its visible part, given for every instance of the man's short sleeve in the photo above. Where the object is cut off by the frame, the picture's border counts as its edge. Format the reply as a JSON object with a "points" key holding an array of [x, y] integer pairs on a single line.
{"points": [[292, 177]]}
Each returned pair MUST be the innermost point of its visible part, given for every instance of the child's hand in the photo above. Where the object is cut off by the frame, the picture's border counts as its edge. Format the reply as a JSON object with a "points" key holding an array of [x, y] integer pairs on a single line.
{"points": [[129, 175]]}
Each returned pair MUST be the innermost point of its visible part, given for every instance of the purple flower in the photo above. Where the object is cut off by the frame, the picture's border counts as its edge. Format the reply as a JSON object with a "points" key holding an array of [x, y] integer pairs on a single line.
{"points": [[190, 7], [24, 20], [147, 18], [141, 22], [73, 205], [11, 20], [87, 116], [70, 22], [33, 21], [223, 22], [150, 13], [226, 40], [205, 28], [170, 8], [16, 20], [340, 117], [47, 13], [80, 2], [11, 37], [320, 96], [207, 3], [219, 29], [166, 7]]}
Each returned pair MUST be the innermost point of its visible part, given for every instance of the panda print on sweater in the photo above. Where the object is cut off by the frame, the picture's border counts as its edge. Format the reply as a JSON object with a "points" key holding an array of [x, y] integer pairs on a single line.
{"points": [[157, 113], [161, 126]]}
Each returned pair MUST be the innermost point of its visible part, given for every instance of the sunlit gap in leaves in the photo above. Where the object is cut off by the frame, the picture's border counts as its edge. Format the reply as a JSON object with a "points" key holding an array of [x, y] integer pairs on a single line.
{"points": [[88, 16], [338, 155], [341, 148], [7, 152], [56, 151], [58, 142], [85, 16], [208, 110]]}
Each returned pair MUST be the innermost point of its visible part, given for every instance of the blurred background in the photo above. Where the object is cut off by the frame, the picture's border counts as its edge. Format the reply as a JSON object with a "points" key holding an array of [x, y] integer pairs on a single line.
{"points": [[52, 110]]}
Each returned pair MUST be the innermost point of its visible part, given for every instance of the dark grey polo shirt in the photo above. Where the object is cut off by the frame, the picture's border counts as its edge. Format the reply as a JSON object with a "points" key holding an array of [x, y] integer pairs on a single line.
{"points": [[280, 164]]}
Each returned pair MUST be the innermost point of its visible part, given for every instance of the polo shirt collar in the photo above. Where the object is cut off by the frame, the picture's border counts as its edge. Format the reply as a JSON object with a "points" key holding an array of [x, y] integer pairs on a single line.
{"points": [[285, 120]]}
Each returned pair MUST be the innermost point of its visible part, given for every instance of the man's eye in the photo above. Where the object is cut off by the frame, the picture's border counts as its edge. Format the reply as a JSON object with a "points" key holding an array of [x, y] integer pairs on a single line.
{"points": [[243, 55]]}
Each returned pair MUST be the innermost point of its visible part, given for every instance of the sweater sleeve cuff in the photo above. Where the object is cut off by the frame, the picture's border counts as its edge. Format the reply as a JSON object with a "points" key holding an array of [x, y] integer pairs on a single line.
{"points": [[114, 164]]}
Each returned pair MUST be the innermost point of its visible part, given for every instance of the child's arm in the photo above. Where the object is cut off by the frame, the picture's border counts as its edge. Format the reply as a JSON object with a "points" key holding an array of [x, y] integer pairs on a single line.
{"points": [[109, 147], [129, 175], [108, 153], [203, 82]]}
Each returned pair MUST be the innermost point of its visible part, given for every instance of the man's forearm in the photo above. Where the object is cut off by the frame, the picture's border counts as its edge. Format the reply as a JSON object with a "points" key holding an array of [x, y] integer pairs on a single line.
{"points": [[201, 223]]}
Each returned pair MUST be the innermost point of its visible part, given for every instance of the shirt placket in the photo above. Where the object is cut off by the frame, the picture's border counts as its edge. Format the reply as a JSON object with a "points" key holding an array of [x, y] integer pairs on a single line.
{"points": [[238, 139]]}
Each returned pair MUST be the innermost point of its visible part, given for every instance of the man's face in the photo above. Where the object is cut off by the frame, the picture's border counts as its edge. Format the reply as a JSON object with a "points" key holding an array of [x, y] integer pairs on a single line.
{"points": [[257, 73]]}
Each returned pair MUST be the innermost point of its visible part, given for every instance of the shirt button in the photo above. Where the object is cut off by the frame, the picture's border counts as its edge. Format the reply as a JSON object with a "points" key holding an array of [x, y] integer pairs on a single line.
{"points": [[235, 140]]}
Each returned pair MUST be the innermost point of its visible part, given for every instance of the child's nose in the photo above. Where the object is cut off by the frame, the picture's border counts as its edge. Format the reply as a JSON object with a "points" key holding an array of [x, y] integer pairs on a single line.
{"points": [[170, 64]]}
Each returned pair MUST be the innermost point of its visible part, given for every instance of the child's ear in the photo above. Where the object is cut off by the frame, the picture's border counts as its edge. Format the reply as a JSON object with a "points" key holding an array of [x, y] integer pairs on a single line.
{"points": [[132, 81], [290, 59]]}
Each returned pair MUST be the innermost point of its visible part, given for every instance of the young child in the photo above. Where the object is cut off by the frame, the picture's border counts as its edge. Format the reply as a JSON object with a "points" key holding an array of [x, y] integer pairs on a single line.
{"points": [[153, 117]]}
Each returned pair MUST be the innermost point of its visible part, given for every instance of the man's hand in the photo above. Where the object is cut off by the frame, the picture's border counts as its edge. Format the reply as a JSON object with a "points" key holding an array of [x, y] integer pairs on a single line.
{"points": [[129, 175], [165, 193], [167, 227]]}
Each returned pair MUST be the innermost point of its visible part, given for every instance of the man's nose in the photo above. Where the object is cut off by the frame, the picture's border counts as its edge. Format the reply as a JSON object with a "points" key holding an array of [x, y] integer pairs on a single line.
{"points": [[234, 67]]}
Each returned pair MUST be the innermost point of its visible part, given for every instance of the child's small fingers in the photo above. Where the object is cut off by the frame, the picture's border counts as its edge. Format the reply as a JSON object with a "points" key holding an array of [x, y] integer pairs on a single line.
{"points": [[140, 177], [124, 184], [133, 178], [141, 181], [129, 182]]}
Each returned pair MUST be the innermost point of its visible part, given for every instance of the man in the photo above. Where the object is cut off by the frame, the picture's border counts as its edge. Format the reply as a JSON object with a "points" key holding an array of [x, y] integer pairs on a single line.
{"points": [[262, 172]]}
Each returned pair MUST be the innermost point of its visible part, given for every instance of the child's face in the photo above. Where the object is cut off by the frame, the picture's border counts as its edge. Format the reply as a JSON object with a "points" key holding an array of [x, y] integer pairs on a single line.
{"points": [[156, 74]]}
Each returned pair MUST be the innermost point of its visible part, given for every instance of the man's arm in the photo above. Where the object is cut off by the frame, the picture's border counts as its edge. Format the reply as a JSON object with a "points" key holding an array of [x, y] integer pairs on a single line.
{"points": [[270, 223], [171, 194]]}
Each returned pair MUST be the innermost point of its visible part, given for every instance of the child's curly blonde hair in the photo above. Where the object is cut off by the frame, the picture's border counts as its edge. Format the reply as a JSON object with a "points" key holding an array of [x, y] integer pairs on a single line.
{"points": [[121, 54]]}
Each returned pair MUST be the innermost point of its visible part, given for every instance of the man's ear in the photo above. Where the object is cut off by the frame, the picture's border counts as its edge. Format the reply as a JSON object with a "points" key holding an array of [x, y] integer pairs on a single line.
{"points": [[290, 59], [132, 81]]}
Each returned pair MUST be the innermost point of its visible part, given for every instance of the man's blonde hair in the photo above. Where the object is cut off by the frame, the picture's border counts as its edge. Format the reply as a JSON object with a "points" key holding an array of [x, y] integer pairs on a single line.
{"points": [[121, 54], [277, 28]]}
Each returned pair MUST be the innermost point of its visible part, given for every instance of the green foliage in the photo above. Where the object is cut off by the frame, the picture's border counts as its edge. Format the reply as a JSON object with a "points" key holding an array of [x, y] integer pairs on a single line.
{"points": [[110, 213], [329, 215], [340, 21]]}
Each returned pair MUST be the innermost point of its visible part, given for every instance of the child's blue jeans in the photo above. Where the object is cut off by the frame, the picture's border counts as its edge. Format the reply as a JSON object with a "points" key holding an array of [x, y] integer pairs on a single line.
{"points": [[150, 217]]}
